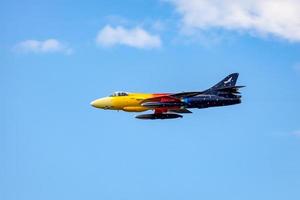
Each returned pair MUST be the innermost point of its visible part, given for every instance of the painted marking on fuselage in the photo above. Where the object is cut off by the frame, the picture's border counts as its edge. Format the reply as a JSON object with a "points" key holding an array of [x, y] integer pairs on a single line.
{"points": [[228, 80]]}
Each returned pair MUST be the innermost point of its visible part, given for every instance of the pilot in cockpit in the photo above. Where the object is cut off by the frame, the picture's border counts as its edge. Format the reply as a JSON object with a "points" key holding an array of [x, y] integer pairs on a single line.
{"points": [[117, 94]]}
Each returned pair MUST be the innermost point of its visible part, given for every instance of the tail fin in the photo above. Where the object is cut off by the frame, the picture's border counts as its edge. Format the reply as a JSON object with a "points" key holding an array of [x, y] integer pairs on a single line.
{"points": [[226, 87], [229, 81]]}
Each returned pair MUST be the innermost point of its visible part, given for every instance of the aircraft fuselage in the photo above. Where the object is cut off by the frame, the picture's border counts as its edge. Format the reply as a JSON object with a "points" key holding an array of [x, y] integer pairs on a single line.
{"points": [[166, 105]]}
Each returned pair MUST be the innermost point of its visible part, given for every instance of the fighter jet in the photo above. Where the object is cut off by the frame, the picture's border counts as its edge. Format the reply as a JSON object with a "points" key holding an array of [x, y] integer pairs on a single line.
{"points": [[172, 105]]}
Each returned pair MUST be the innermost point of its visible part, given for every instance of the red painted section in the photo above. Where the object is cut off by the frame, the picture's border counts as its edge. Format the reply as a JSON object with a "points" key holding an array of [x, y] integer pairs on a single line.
{"points": [[164, 110], [164, 97], [158, 111]]}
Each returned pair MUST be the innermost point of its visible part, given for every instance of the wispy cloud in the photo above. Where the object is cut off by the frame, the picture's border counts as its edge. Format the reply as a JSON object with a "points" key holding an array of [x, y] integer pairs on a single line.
{"points": [[159, 25], [296, 67], [136, 37], [296, 133], [46, 46], [152, 24], [262, 18]]}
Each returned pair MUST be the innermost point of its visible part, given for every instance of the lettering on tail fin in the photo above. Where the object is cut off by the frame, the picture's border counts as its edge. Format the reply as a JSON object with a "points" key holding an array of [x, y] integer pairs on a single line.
{"points": [[228, 81]]}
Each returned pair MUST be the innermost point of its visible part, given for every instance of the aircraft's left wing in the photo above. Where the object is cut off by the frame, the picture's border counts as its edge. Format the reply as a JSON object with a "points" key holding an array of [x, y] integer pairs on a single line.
{"points": [[168, 102], [166, 106]]}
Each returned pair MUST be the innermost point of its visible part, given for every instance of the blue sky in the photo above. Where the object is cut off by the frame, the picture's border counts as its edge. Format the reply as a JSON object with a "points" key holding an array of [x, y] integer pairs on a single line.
{"points": [[58, 56]]}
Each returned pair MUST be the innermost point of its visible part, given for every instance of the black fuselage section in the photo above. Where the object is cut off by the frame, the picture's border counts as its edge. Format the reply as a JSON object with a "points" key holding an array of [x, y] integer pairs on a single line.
{"points": [[205, 101]]}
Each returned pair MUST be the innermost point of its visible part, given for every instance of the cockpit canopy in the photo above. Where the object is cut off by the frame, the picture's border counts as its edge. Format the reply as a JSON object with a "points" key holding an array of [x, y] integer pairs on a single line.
{"points": [[118, 94]]}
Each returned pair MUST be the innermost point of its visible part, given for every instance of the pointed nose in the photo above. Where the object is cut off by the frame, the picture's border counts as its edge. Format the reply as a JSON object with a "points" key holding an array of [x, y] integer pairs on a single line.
{"points": [[93, 103], [104, 103]]}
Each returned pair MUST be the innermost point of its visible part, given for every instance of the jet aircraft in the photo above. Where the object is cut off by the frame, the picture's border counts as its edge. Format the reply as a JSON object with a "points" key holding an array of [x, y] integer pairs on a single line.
{"points": [[171, 105]]}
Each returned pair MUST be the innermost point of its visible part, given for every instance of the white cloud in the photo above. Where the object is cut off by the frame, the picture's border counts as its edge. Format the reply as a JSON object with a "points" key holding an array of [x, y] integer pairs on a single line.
{"points": [[280, 18], [135, 37], [46, 46]]}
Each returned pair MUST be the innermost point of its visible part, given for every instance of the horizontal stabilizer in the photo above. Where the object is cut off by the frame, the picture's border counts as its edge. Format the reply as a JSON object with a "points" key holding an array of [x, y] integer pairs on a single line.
{"points": [[231, 89]]}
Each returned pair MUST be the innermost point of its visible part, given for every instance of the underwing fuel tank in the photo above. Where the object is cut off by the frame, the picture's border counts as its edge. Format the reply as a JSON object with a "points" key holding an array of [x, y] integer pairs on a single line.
{"points": [[159, 116]]}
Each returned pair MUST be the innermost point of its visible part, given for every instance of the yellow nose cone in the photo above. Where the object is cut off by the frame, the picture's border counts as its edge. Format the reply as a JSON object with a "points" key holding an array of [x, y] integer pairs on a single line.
{"points": [[104, 103]]}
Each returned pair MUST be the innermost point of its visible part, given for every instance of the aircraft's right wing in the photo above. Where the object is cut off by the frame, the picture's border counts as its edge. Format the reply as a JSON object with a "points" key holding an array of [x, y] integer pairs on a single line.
{"points": [[185, 94]]}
